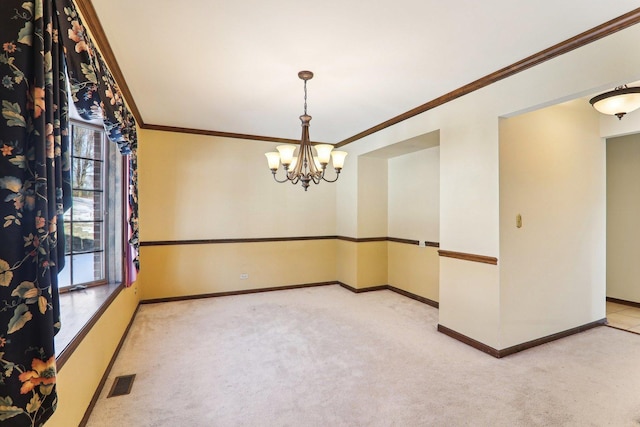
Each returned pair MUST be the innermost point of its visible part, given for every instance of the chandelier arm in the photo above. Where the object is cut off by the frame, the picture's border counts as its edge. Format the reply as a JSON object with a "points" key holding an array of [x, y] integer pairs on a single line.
{"points": [[286, 178], [316, 178], [332, 180]]}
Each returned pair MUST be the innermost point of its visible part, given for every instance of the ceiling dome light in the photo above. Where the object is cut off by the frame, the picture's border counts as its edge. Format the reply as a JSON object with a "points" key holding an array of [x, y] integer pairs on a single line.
{"points": [[618, 102]]}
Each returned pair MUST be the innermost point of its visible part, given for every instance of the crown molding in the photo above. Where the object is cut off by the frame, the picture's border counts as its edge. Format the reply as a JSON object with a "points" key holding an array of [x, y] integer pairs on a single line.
{"points": [[221, 134]]}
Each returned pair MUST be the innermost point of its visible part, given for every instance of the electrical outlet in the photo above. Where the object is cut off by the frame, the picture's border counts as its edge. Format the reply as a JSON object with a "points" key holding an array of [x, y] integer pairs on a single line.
{"points": [[244, 276]]}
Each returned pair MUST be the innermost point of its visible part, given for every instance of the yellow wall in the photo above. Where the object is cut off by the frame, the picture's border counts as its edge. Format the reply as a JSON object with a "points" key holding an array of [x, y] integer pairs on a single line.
{"points": [[362, 264], [79, 377], [347, 262], [372, 264], [204, 187], [414, 269], [195, 187], [181, 270]]}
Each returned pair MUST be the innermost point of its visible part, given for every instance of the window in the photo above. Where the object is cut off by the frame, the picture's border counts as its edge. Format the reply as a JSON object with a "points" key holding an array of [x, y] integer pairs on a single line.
{"points": [[93, 225]]}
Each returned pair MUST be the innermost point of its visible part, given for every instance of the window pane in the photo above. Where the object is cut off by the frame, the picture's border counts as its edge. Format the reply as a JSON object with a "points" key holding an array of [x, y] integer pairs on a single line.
{"points": [[86, 143], [88, 268], [67, 239], [86, 174], [87, 236], [64, 277], [87, 206]]}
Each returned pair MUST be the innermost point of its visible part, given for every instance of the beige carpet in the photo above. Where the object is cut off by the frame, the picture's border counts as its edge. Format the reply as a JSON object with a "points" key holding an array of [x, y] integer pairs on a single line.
{"points": [[328, 357]]}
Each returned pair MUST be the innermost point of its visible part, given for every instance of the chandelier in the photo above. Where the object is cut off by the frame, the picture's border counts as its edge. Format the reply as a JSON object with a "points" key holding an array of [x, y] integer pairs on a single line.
{"points": [[305, 167], [618, 102]]}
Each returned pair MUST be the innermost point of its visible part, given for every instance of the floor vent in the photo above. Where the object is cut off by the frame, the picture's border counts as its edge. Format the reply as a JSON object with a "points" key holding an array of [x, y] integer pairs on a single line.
{"points": [[122, 385]]}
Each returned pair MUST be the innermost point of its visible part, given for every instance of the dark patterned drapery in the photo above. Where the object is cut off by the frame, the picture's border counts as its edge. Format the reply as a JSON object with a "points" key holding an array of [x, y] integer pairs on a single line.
{"points": [[97, 96], [42, 41]]}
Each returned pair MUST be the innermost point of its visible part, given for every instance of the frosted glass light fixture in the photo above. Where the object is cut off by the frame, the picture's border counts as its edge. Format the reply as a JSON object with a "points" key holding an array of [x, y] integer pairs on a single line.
{"points": [[618, 102], [310, 164]]}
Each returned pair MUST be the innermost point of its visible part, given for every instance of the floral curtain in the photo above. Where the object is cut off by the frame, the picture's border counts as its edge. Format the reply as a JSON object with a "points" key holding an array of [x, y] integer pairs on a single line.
{"points": [[96, 95], [42, 42]]}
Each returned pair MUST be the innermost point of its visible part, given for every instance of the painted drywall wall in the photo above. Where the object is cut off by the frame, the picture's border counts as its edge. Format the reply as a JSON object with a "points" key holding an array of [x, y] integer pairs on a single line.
{"points": [[195, 187], [414, 269], [81, 374], [470, 299], [622, 160], [372, 197], [468, 215], [362, 264], [468, 172], [469, 132], [414, 214], [400, 192], [372, 264], [347, 198], [414, 195], [182, 270], [203, 187], [623, 213], [552, 269], [347, 262]]}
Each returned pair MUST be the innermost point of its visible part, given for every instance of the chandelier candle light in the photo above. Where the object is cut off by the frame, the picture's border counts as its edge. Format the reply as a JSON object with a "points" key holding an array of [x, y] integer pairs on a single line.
{"points": [[305, 167]]}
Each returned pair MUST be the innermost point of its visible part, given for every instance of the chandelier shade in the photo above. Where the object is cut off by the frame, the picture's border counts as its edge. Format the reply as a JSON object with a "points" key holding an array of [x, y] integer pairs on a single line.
{"points": [[618, 102], [309, 164], [273, 159]]}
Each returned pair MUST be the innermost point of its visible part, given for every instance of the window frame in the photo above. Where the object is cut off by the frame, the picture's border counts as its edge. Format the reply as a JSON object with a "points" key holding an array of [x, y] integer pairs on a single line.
{"points": [[107, 221]]}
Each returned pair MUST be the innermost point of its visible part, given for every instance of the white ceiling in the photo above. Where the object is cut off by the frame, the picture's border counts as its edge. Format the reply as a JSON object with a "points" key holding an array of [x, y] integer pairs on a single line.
{"points": [[231, 66]]}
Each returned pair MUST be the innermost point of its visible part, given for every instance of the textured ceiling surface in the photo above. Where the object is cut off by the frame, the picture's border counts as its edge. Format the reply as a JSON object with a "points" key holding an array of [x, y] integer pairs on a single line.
{"points": [[231, 66]]}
